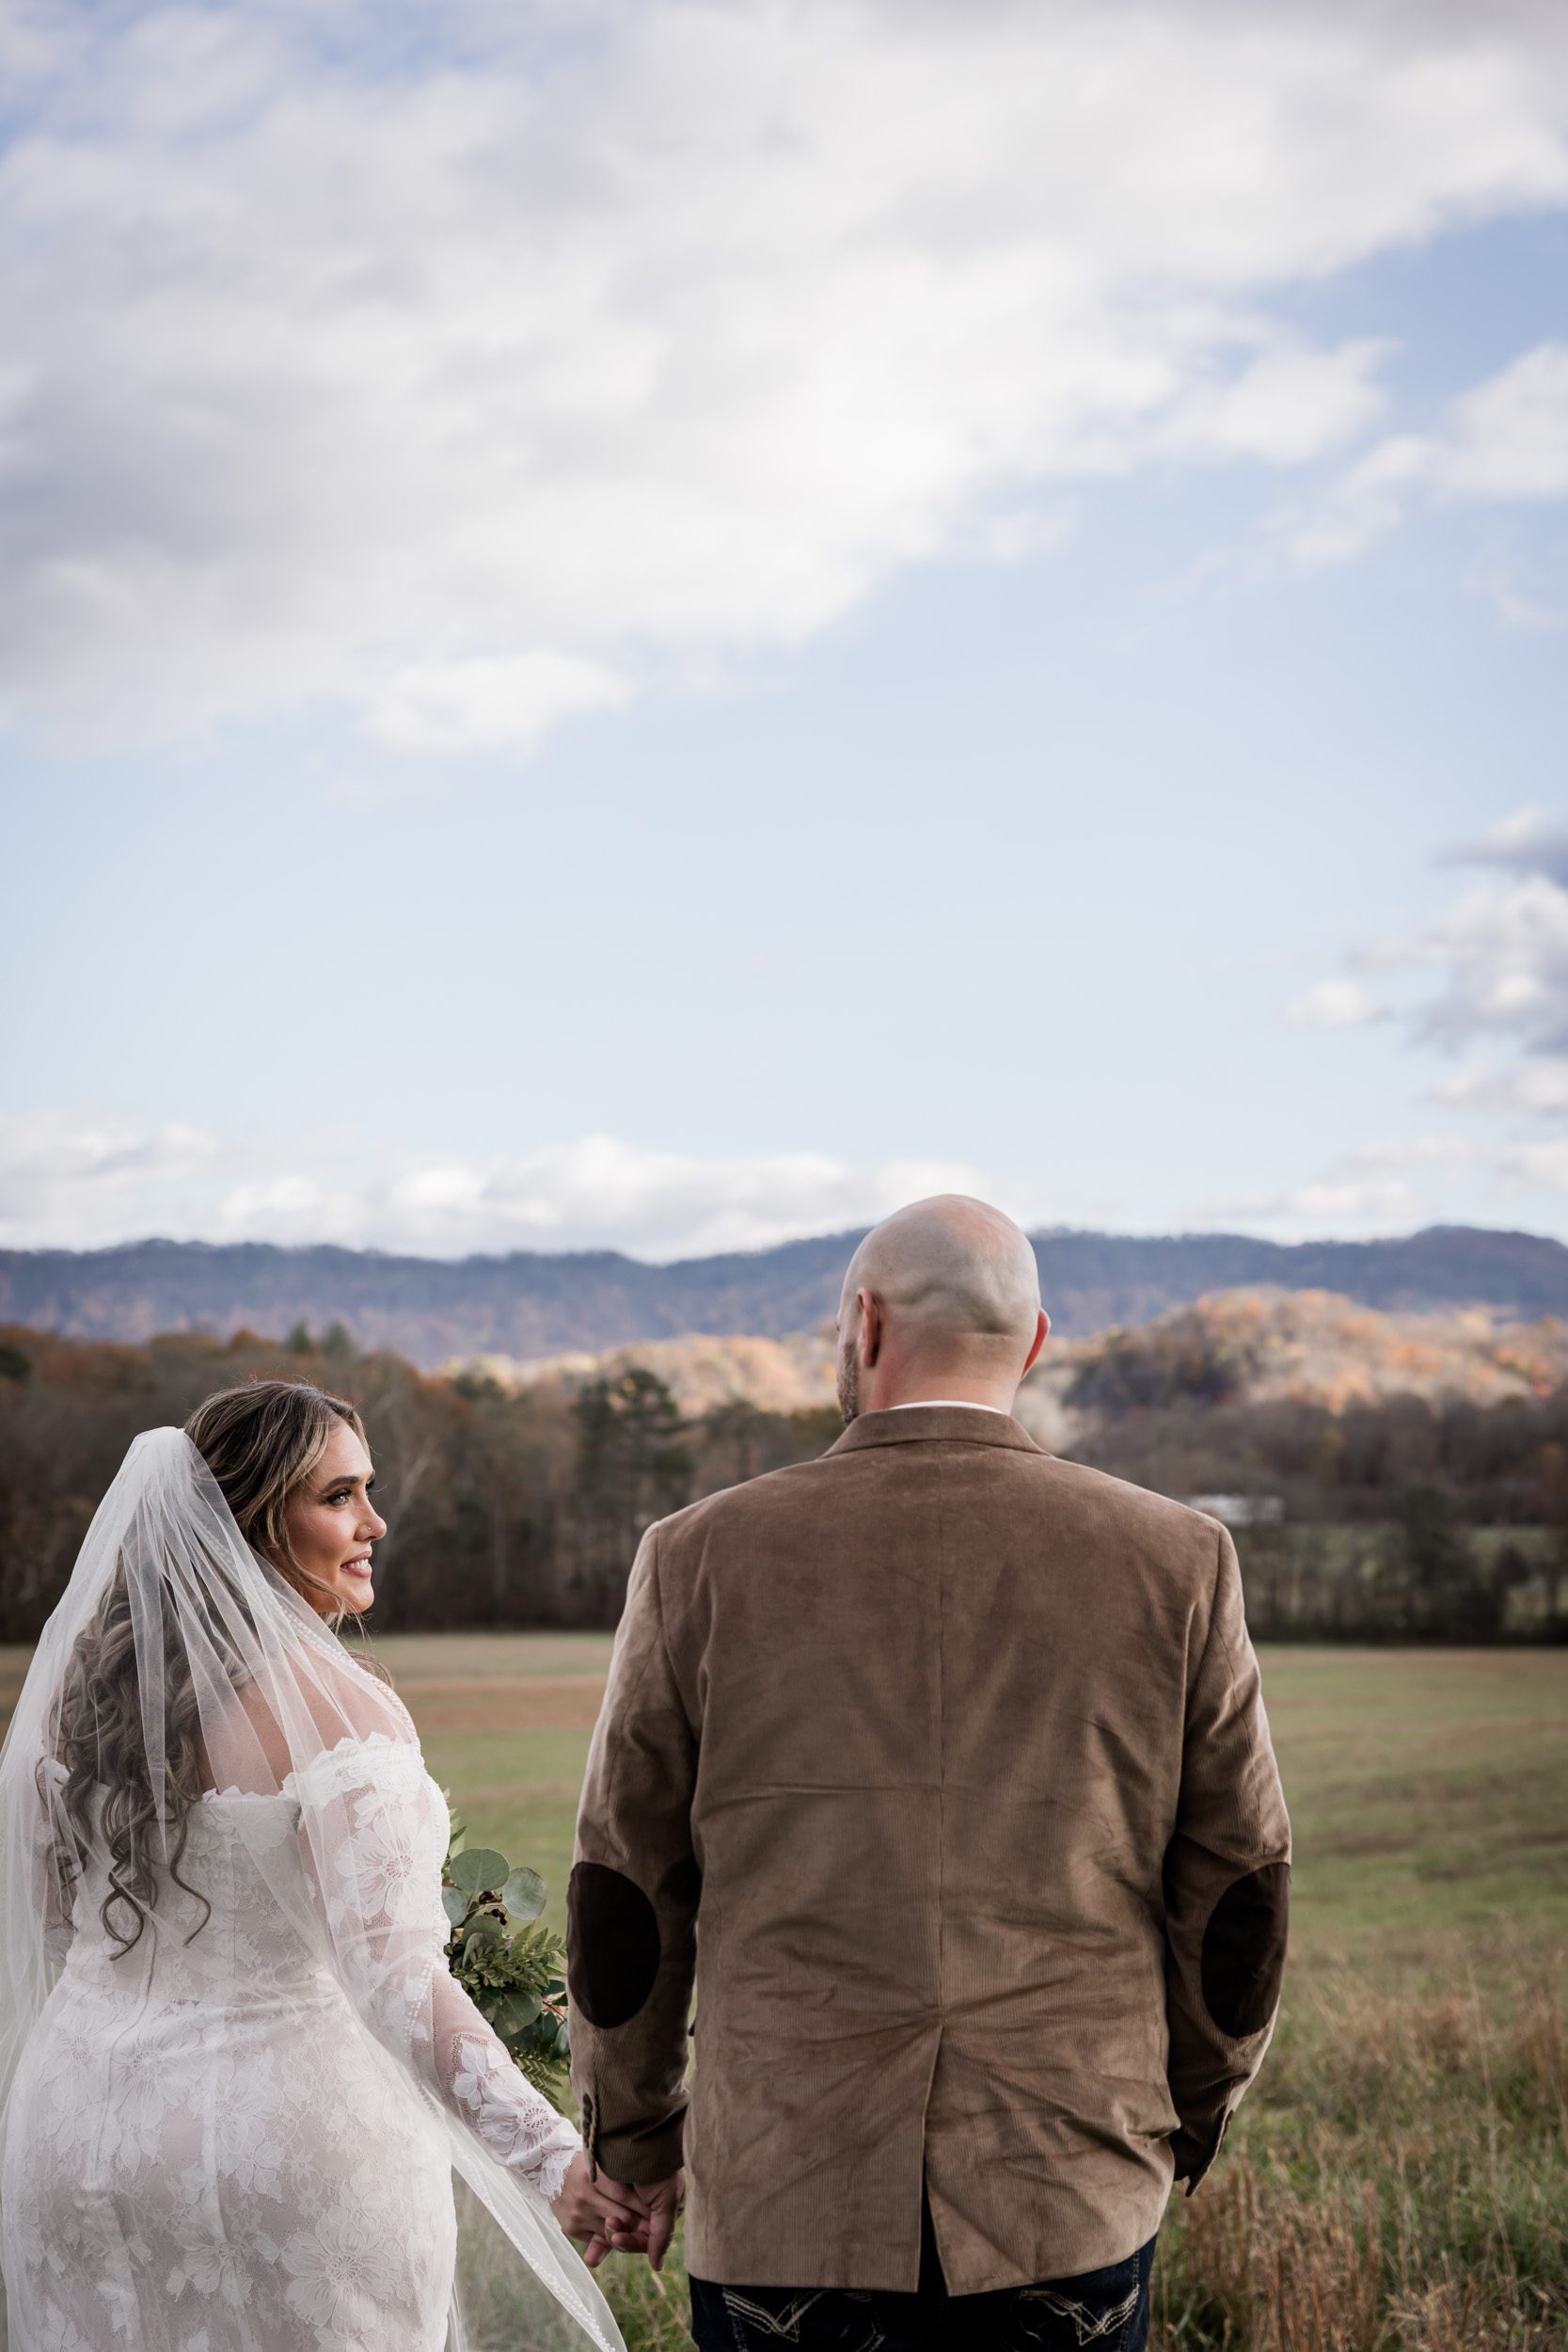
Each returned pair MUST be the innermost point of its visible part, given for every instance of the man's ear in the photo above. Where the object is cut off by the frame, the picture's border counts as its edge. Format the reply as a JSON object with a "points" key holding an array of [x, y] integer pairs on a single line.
{"points": [[1042, 1332], [871, 1326]]}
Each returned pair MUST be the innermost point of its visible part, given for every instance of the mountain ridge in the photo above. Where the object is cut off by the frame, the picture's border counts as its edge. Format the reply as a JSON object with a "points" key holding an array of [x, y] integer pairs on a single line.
{"points": [[528, 1303]]}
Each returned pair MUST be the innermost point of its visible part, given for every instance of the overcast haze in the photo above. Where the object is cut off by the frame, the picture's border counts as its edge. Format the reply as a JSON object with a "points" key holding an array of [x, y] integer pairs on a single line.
{"points": [[663, 625]]}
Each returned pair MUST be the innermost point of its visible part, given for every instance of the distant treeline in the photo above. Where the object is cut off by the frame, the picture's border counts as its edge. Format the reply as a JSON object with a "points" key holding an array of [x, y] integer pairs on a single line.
{"points": [[504, 1508], [1400, 1520]]}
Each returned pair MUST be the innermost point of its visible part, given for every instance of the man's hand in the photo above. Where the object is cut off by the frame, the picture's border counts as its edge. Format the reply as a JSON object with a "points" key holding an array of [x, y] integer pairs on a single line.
{"points": [[602, 2212], [659, 2208], [661, 2201]]}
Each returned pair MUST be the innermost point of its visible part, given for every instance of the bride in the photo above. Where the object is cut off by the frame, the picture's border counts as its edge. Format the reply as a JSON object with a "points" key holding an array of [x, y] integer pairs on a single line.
{"points": [[236, 2075]]}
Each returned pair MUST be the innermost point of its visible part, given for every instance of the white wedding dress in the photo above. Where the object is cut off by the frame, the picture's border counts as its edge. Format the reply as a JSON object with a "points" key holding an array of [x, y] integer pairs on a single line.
{"points": [[206, 2149]]}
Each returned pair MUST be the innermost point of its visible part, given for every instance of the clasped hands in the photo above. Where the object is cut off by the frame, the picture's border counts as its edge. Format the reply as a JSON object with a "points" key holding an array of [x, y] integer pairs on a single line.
{"points": [[614, 2215]]}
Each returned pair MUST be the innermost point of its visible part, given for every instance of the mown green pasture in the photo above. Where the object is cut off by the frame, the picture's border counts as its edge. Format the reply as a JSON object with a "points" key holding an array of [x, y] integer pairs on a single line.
{"points": [[1398, 2180], [1428, 1789]]}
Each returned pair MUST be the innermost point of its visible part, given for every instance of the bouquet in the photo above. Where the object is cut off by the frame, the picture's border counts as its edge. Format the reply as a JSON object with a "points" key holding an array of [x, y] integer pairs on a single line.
{"points": [[513, 1969]]}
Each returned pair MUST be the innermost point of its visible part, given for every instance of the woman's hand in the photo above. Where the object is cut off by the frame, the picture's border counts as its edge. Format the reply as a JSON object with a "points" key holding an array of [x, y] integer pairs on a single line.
{"points": [[598, 2210]]}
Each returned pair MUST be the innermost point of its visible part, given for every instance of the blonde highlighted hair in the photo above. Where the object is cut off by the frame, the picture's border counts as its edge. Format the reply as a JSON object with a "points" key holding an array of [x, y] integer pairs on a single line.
{"points": [[261, 1444]]}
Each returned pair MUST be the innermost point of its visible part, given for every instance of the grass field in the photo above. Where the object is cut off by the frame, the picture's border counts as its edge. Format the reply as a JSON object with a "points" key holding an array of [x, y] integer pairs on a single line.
{"points": [[1398, 2180]]}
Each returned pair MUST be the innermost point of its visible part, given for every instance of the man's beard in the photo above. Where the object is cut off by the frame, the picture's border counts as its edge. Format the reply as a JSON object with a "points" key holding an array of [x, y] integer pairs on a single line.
{"points": [[848, 1385]]}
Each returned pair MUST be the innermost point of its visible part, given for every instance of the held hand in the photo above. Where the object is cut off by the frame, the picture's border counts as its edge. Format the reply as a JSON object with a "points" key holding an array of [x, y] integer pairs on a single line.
{"points": [[662, 2202], [600, 2211]]}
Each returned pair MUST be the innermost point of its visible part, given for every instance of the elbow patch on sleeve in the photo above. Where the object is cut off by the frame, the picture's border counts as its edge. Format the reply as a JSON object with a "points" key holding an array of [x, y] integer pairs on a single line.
{"points": [[1244, 1951], [614, 1935]]}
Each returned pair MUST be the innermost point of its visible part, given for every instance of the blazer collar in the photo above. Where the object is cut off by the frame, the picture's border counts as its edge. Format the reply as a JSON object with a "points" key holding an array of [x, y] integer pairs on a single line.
{"points": [[913, 1424]]}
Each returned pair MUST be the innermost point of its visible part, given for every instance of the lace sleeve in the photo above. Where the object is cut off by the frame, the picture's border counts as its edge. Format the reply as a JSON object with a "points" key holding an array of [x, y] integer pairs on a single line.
{"points": [[497, 2101], [374, 1829]]}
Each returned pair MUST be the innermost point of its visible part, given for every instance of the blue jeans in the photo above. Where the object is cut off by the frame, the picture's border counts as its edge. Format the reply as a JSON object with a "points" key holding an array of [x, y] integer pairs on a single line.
{"points": [[1100, 2311]]}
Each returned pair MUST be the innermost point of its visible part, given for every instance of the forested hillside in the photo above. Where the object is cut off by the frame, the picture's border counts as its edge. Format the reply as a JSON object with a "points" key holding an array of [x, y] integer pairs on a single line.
{"points": [[1383, 1514], [533, 1304], [1245, 1347]]}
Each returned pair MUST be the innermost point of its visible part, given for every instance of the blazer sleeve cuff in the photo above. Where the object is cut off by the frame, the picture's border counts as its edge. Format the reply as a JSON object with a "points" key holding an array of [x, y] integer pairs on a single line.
{"points": [[1195, 2149], [637, 2157]]}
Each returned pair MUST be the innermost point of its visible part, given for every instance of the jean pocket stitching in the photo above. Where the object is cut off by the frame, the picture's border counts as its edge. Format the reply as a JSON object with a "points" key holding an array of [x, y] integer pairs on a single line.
{"points": [[782, 2326], [1105, 2328]]}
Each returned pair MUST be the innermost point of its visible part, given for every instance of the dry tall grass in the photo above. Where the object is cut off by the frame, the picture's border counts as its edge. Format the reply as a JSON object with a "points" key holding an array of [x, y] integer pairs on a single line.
{"points": [[1400, 2185]]}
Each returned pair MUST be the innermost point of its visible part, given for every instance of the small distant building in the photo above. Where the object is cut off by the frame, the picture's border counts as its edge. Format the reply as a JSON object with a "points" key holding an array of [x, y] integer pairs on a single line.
{"points": [[1239, 1510]]}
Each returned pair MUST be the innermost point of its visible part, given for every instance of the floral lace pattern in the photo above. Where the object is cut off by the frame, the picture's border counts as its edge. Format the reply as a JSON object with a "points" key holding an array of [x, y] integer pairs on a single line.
{"points": [[532, 2139], [207, 2150]]}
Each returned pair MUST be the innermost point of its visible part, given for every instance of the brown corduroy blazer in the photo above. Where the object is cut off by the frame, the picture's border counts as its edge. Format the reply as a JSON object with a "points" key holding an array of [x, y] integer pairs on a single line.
{"points": [[941, 1767]]}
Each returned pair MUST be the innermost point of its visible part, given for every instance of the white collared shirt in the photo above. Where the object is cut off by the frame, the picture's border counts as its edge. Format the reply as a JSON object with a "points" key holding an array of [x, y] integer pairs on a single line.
{"points": [[965, 1404]]}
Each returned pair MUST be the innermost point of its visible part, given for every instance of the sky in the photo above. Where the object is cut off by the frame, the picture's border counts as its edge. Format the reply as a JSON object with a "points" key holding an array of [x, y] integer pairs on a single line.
{"points": [[663, 625]]}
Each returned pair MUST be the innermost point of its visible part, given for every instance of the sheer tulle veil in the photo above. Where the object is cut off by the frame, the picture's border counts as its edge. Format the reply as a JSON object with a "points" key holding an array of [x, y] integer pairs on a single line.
{"points": [[232, 1668]]}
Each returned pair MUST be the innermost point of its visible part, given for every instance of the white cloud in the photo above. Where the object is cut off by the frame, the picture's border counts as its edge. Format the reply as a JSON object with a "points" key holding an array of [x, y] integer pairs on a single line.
{"points": [[659, 1203], [30, 42], [1503, 958], [500, 704], [1513, 597], [82, 1184], [61, 1173], [1534, 1167], [1373, 1190], [1509, 438], [1407, 1152], [1333, 1005], [1496, 964], [600, 346], [1531, 841], [1374, 1203], [1288, 405], [1506, 439], [1535, 1090], [1365, 502]]}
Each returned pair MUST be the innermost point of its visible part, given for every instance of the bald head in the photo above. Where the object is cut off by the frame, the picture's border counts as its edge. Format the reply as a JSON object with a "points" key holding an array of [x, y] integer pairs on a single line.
{"points": [[942, 1297]]}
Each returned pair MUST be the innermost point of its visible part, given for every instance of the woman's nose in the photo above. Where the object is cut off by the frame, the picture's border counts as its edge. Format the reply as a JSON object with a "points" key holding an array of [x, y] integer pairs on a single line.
{"points": [[377, 1526]]}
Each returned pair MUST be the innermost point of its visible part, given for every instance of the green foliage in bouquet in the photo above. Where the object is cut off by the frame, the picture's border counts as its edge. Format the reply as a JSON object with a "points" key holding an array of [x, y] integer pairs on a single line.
{"points": [[513, 1969]]}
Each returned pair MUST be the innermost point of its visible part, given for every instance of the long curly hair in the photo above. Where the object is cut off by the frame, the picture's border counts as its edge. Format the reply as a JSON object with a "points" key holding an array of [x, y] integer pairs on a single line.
{"points": [[261, 1442]]}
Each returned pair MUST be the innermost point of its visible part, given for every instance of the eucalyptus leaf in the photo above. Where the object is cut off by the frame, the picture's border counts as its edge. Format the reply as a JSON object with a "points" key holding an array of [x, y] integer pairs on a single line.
{"points": [[517, 2011], [485, 1932], [478, 1869], [455, 1904], [524, 1894]]}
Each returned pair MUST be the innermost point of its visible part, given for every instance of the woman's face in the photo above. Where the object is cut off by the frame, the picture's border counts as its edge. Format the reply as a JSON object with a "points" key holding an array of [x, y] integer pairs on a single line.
{"points": [[332, 1524]]}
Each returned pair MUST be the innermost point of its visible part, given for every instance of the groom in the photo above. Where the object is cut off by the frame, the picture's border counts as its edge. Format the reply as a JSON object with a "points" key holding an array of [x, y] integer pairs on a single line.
{"points": [[941, 1764]]}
